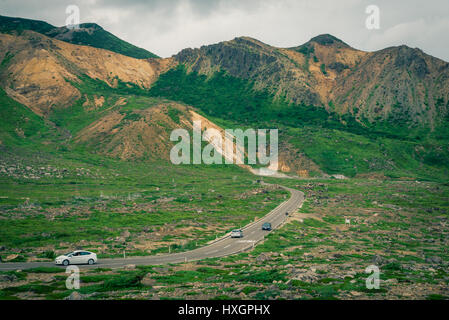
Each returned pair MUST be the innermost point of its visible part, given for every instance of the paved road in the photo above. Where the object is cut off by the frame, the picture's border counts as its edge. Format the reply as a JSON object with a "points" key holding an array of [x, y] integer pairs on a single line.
{"points": [[252, 233]]}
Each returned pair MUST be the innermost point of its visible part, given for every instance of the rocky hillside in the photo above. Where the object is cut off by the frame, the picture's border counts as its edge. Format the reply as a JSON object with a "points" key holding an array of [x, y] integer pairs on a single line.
{"points": [[90, 99], [89, 34], [135, 134], [41, 72], [398, 83]]}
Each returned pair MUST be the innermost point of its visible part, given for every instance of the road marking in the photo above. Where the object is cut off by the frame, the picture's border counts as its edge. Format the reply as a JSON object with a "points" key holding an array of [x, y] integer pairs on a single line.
{"points": [[226, 246], [245, 241]]}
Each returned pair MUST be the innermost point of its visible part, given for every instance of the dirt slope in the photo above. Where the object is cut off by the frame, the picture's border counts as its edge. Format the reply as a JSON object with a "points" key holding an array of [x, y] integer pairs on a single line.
{"points": [[37, 71]]}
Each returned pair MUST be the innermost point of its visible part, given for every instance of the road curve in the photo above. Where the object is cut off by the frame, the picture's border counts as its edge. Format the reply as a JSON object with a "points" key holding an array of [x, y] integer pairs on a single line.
{"points": [[225, 246]]}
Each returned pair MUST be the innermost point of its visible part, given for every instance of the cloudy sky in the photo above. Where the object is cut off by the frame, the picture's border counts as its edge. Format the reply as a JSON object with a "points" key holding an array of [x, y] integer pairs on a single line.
{"points": [[164, 27]]}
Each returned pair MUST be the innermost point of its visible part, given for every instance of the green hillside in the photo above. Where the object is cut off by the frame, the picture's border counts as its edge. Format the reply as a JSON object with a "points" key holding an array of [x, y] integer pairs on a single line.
{"points": [[18, 124], [89, 34], [338, 144]]}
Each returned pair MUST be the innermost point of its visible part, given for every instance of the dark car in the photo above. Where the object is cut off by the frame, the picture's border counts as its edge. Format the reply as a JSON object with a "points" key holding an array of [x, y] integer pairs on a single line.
{"points": [[266, 226]]}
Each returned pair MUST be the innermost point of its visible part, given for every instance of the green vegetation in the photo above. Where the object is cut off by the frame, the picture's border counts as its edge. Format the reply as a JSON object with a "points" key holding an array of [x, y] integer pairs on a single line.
{"points": [[9, 24], [323, 69], [100, 38], [230, 98], [314, 256], [96, 37], [337, 151], [306, 49], [174, 114], [50, 186], [6, 59], [102, 198], [18, 124], [337, 143]]}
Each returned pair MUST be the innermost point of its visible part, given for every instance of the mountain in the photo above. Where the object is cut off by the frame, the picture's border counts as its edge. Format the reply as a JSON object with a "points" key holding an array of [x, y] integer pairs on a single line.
{"points": [[42, 72], [339, 110], [88, 34], [398, 84], [132, 134]]}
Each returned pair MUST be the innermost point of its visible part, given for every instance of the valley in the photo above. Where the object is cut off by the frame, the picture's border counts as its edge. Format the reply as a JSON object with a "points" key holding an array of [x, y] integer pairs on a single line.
{"points": [[85, 124]]}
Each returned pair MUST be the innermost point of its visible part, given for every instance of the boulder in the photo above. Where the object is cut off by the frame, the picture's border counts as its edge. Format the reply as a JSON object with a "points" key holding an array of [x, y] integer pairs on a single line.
{"points": [[262, 257], [7, 278], [11, 257], [434, 260], [307, 276], [75, 296], [379, 260], [130, 267], [148, 281]]}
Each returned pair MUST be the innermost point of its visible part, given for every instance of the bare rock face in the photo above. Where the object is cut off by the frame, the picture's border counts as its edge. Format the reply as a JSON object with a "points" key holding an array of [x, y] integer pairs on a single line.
{"points": [[390, 84], [400, 84], [40, 71], [269, 67]]}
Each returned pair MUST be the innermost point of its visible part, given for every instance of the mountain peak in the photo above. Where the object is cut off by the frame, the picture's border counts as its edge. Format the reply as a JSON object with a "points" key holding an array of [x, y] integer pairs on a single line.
{"points": [[92, 25], [90, 34], [328, 40], [248, 40]]}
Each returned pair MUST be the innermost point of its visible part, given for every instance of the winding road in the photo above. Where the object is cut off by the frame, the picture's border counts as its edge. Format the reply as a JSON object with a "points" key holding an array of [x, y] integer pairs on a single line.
{"points": [[224, 246]]}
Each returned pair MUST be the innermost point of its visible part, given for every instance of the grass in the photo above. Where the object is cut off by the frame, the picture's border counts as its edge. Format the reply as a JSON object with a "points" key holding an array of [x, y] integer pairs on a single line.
{"points": [[337, 151], [337, 143], [397, 226], [18, 124], [117, 196]]}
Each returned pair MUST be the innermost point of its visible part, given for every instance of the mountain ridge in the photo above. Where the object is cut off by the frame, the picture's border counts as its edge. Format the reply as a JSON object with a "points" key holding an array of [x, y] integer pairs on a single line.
{"points": [[90, 34], [325, 71], [339, 110], [39, 71]]}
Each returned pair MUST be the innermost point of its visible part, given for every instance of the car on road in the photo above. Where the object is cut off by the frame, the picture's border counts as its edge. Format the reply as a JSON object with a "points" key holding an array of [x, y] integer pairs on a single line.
{"points": [[266, 226], [77, 257], [238, 233]]}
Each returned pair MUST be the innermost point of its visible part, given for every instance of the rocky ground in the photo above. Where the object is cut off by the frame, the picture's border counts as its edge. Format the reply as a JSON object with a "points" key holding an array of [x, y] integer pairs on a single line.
{"points": [[322, 252]]}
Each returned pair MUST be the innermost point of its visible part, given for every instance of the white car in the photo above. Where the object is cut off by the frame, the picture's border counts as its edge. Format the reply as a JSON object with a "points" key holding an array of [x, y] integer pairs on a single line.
{"points": [[77, 257], [238, 233]]}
